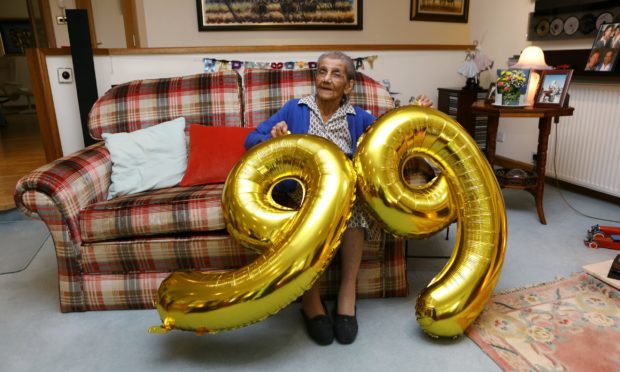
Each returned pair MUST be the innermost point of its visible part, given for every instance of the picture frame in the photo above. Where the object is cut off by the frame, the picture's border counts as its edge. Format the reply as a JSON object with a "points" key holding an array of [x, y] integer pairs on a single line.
{"points": [[491, 92], [439, 11], [244, 15], [512, 85], [605, 49], [15, 36], [553, 87]]}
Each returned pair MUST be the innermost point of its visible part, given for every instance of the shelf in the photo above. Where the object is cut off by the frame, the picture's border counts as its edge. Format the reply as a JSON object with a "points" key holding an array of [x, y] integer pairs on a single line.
{"points": [[576, 59]]}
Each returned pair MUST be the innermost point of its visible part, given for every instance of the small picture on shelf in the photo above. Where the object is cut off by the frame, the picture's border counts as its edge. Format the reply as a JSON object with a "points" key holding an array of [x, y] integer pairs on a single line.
{"points": [[551, 91], [511, 87], [491, 92], [605, 49]]}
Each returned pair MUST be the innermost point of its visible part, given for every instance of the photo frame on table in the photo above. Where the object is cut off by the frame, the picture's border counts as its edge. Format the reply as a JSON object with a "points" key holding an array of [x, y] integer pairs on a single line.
{"points": [[491, 92], [217, 15], [552, 89], [439, 11]]}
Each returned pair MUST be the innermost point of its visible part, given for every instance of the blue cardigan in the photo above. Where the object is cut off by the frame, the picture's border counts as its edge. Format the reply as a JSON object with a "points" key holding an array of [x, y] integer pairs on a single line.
{"points": [[297, 117]]}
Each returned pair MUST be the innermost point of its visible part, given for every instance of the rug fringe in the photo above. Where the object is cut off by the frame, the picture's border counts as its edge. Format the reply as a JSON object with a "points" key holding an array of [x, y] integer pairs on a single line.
{"points": [[553, 281]]}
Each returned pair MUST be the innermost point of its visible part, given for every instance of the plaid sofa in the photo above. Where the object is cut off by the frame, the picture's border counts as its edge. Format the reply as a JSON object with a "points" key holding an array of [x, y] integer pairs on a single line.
{"points": [[113, 254]]}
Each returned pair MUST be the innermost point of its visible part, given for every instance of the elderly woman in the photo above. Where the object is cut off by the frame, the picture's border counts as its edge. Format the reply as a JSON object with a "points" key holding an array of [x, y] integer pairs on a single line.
{"points": [[328, 114]]}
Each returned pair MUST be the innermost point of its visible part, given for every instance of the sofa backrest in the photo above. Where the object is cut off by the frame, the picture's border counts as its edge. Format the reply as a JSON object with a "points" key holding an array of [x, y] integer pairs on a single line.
{"points": [[266, 91], [212, 99]]}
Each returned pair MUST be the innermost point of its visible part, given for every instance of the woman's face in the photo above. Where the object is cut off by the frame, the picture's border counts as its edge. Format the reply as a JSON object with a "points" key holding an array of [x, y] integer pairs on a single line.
{"points": [[331, 80]]}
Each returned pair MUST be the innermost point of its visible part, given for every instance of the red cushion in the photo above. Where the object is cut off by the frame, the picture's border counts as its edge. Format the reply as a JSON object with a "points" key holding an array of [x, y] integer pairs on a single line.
{"points": [[213, 151]]}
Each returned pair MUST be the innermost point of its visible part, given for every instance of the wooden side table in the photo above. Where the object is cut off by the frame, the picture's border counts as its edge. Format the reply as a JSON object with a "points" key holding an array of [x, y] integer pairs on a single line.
{"points": [[494, 113]]}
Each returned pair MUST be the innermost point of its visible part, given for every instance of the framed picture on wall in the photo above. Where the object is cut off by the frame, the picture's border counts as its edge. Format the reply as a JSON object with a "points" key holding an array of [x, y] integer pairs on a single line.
{"points": [[439, 10], [16, 35], [552, 89], [605, 49], [217, 15]]}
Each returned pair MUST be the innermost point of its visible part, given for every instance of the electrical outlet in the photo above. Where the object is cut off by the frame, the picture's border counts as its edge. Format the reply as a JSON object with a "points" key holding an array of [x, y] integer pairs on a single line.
{"points": [[500, 136], [61, 20], [65, 75]]}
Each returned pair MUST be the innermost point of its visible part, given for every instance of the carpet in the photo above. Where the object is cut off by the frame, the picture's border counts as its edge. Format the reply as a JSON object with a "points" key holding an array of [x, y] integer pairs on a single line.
{"points": [[571, 324], [21, 238]]}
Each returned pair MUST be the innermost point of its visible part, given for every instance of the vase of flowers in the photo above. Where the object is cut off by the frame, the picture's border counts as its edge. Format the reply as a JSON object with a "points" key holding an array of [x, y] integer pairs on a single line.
{"points": [[512, 87]]}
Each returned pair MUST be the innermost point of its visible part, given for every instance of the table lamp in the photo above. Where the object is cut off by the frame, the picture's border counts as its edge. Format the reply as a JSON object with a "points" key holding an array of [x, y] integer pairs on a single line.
{"points": [[532, 58]]}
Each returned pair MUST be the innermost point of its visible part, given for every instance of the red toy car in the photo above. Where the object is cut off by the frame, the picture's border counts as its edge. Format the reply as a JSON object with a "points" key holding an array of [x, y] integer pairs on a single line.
{"points": [[604, 237]]}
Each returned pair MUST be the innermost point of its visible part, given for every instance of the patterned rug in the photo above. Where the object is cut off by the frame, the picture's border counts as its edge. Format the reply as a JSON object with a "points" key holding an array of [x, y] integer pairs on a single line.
{"points": [[572, 324]]}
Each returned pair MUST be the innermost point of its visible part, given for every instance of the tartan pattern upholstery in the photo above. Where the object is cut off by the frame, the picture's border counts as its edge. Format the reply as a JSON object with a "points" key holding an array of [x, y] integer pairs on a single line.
{"points": [[114, 254], [208, 99], [138, 290], [266, 91], [173, 210], [72, 183]]}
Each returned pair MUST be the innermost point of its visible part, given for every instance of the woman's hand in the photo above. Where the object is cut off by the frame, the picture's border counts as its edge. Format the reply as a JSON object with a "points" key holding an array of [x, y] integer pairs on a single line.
{"points": [[423, 100], [280, 129]]}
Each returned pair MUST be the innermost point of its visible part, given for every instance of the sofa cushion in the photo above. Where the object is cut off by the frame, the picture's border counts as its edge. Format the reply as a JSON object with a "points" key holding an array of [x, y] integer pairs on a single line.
{"points": [[213, 152], [149, 158], [176, 210], [209, 99], [266, 91]]}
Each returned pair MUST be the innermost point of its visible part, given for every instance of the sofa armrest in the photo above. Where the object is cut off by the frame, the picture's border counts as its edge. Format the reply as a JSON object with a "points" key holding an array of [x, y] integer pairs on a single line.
{"points": [[71, 183]]}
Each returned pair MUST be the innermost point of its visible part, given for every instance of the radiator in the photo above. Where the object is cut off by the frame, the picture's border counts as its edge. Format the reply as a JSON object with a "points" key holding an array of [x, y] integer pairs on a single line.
{"points": [[588, 143]]}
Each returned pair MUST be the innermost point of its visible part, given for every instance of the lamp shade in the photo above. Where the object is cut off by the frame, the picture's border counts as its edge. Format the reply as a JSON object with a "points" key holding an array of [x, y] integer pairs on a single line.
{"points": [[533, 58]]}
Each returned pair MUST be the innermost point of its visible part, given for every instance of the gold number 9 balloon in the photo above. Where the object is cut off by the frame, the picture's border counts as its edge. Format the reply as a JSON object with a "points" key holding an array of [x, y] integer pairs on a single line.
{"points": [[295, 245], [466, 188]]}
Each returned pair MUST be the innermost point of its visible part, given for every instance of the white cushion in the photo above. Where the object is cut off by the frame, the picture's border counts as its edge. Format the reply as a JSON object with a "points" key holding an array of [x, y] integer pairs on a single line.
{"points": [[150, 158]]}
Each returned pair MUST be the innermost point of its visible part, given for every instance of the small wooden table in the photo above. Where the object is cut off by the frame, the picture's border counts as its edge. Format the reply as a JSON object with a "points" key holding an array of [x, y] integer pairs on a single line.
{"points": [[482, 108]]}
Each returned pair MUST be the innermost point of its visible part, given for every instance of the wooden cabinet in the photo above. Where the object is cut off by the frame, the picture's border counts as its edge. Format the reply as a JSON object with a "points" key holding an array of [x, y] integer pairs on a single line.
{"points": [[457, 102]]}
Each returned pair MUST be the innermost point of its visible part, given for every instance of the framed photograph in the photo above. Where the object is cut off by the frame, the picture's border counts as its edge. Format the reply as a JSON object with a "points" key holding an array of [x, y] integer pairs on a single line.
{"points": [[439, 10], [217, 15], [16, 35], [512, 87], [552, 89], [491, 92], [605, 48]]}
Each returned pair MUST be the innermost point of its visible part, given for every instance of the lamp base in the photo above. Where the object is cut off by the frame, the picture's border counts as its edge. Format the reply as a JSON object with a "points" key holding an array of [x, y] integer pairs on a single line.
{"points": [[472, 84]]}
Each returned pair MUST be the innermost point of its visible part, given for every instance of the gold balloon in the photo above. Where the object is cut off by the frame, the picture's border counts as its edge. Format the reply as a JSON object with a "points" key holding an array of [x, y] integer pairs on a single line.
{"points": [[466, 189], [296, 245]]}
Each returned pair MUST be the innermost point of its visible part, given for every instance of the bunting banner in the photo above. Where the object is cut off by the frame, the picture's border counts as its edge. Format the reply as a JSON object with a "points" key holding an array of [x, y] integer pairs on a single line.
{"points": [[215, 64]]}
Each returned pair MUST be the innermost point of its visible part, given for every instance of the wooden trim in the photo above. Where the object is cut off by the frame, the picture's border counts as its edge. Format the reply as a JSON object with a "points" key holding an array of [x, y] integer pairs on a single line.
{"points": [[86, 4], [510, 163], [46, 114], [46, 16], [266, 48], [132, 37]]}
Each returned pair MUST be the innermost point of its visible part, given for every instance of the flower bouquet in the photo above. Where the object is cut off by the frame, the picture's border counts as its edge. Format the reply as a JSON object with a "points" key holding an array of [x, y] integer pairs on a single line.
{"points": [[512, 87]]}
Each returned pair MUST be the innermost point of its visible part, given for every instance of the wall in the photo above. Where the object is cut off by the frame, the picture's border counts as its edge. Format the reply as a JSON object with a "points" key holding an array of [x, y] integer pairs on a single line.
{"points": [[169, 25], [13, 9], [108, 18], [407, 71], [61, 32]]}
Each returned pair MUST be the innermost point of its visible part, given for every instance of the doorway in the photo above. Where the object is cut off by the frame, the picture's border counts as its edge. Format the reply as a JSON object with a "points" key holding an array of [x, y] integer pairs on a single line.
{"points": [[21, 143]]}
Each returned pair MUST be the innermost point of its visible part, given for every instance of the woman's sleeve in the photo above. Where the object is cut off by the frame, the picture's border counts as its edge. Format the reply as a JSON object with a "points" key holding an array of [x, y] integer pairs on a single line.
{"points": [[263, 131]]}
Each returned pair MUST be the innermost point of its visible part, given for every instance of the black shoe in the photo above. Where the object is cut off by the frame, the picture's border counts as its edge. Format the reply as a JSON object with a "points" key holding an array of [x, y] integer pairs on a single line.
{"points": [[345, 327], [319, 328]]}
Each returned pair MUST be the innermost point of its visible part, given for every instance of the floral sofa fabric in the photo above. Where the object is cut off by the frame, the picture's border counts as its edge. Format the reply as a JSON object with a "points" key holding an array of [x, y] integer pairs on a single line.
{"points": [[112, 254]]}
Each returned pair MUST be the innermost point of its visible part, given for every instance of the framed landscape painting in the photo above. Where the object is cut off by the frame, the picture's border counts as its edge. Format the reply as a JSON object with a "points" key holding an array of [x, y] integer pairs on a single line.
{"points": [[439, 10], [229, 15]]}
